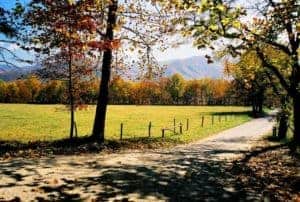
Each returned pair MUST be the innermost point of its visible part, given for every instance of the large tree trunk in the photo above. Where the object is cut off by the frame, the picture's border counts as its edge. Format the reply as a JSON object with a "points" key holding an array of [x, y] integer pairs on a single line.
{"points": [[99, 123], [255, 107], [260, 102], [254, 112], [283, 125], [296, 109], [296, 97], [257, 101], [283, 117]]}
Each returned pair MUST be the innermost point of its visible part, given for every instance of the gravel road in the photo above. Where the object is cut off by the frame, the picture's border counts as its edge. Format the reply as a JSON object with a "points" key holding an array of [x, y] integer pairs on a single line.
{"points": [[190, 172]]}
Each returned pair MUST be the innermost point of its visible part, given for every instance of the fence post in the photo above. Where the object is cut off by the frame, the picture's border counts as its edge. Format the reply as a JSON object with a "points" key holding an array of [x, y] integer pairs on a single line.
{"points": [[212, 119], [180, 128], [149, 129], [187, 124], [202, 122], [163, 133], [174, 125], [220, 117], [225, 117], [121, 131]]}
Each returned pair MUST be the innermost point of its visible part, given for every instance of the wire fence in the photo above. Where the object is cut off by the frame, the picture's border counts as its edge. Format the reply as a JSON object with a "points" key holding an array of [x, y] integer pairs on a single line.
{"points": [[180, 126]]}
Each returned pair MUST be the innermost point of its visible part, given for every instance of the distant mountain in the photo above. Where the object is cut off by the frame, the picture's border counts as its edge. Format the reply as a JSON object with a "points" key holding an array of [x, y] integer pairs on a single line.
{"points": [[5, 68], [9, 73], [193, 68], [190, 68]]}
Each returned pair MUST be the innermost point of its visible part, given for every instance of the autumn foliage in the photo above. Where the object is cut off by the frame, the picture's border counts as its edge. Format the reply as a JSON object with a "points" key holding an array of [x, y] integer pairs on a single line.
{"points": [[195, 92]]}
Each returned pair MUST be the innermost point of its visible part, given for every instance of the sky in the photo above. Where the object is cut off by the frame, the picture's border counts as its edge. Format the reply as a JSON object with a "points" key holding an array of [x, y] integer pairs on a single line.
{"points": [[183, 51], [180, 52]]}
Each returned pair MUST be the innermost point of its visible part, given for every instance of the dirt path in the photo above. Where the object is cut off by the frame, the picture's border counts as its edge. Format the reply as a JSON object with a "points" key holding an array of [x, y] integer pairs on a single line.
{"points": [[195, 171]]}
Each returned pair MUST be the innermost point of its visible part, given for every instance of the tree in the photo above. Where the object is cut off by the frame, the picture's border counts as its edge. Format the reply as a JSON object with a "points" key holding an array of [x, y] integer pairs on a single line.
{"points": [[192, 92], [119, 91], [206, 91], [51, 92], [65, 31], [9, 28], [2, 91], [251, 77], [140, 25], [24, 91], [100, 117], [176, 87], [165, 97], [88, 90], [256, 81], [277, 26], [146, 92], [34, 85], [220, 88], [12, 93]]}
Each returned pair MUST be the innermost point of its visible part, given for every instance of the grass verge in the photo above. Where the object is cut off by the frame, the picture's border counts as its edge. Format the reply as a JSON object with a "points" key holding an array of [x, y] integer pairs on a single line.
{"points": [[44, 128]]}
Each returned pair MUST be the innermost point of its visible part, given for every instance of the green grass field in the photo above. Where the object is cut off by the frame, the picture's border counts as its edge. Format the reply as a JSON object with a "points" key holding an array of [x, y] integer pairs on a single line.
{"points": [[24, 123]]}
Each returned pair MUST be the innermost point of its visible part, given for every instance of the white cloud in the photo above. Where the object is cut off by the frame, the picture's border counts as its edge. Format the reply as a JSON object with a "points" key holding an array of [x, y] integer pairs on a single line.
{"points": [[13, 47], [181, 52], [10, 46]]}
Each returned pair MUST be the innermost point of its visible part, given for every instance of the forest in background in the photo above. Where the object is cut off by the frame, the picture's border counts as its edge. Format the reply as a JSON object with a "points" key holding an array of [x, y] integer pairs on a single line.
{"points": [[71, 38], [174, 90]]}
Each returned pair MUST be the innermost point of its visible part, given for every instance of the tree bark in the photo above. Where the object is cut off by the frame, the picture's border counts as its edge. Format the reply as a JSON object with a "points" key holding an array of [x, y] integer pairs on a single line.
{"points": [[296, 109], [254, 112], [283, 126], [260, 102], [255, 105], [102, 101], [70, 89]]}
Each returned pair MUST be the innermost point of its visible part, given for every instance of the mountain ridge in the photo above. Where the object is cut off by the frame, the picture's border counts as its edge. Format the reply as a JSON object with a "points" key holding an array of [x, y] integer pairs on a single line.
{"points": [[194, 67]]}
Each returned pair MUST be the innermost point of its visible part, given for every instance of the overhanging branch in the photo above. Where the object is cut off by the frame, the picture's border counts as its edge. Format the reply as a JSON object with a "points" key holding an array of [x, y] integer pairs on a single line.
{"points": [[274, 69]]}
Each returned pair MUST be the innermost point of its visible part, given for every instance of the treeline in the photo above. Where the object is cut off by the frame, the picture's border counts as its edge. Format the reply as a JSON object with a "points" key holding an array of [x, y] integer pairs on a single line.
{"points": [[165, 91]]}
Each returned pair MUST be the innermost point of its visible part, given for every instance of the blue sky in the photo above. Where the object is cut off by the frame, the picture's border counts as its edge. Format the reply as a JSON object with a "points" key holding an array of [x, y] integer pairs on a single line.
{"points": [[11, 3], [183, 51]]}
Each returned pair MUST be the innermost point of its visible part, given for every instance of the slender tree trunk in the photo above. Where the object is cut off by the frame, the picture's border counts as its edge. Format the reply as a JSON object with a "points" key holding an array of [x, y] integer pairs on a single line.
{"points": [[70, 89], [296, 109], [99, 122]]}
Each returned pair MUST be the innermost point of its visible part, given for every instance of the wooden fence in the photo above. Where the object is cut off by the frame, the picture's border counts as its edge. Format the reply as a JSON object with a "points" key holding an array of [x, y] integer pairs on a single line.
{"points": [[178, 127]]}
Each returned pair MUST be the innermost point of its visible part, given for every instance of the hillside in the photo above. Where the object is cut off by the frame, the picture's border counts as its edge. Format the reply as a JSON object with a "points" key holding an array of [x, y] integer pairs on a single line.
{"points": [[190, 68], [193, 68], [8, 73]]}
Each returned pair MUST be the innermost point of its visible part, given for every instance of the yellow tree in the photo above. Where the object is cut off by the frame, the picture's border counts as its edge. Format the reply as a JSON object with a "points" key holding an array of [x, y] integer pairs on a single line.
{"points": [[256, 80], [221, 23], [65, 34]]}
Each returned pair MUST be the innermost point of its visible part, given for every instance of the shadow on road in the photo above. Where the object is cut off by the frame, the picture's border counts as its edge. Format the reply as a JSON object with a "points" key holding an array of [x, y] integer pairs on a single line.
{"points": [[177, 176]]}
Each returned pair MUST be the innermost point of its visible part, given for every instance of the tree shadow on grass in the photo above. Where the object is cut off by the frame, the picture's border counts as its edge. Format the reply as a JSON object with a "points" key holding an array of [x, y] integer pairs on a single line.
{"points": [[243, 113], [64, 146], [184, 175], [80, 145]]}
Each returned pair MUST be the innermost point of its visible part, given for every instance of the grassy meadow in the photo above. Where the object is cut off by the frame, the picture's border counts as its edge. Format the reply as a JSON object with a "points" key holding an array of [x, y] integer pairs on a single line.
{"points": [[24, 122]]}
